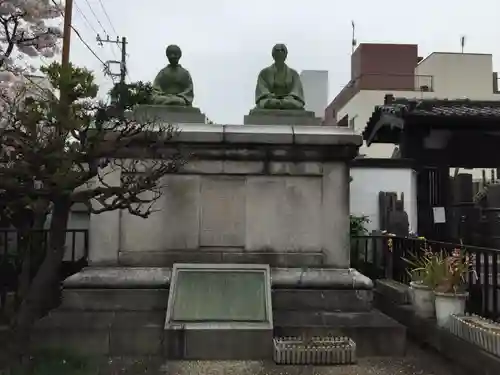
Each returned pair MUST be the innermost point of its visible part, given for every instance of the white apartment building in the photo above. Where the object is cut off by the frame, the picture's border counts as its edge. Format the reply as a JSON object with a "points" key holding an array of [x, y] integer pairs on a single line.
{"points": [[440, 75], [315, 84]]}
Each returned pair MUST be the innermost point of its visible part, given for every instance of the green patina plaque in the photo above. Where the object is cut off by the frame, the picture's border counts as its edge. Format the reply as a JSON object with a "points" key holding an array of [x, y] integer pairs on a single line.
{"points": [[219, 295]]}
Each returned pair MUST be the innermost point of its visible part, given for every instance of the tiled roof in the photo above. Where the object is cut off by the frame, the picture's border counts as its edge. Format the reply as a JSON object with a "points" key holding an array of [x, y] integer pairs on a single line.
{"points": [[440, 107], [391, 116]]}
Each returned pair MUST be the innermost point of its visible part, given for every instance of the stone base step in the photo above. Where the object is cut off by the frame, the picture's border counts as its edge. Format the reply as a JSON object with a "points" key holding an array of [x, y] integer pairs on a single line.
{"points": [[126, 333], [115, 299], [101, 333], [374, 333], [322, 300], [131, 299]]}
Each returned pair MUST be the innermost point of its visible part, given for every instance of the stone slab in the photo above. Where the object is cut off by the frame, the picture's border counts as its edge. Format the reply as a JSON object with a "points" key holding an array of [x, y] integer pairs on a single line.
{"points": [[114, 299], [222, 211], [282, 213], [322, 300], [372, 331], [78, 342], [169, 258], [395, 291], [219, 344], [76, 320], [198, 294], [324, 278], [101, 333], [147, 341], [120, 277], [269, 134], [281, 117], [325, 135], [156, 277], [137, 334], [200, 133], [169, 114]]}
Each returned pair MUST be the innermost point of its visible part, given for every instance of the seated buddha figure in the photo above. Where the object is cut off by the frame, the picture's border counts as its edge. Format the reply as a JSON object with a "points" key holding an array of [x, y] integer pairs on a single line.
{"points": [[278, 86], [173, 86]]}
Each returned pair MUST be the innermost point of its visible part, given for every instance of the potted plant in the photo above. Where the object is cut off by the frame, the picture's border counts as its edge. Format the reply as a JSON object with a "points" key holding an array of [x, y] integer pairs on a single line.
{"points": [[423, 282], [450, 291]]}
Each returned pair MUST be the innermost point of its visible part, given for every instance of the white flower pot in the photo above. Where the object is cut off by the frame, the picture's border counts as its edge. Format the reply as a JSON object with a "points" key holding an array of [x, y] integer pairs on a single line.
{"points": [[448, 304], [422, 298]]}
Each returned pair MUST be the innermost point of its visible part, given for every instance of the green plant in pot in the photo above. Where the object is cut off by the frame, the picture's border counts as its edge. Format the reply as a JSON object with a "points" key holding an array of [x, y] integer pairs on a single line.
{"points": [[451, 275], [422, 272]]}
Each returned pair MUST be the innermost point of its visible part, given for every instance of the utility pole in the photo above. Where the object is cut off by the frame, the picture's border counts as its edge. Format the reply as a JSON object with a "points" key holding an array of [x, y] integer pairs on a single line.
{"points": [[65, 66], [123, 64], [68, 14]]}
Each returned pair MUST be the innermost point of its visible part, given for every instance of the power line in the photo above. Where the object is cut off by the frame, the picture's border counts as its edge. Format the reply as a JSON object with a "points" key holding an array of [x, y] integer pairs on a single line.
{"points": [[107, 16], [111, 24], [85, 18], [100, 24], [87, 45], [81, 38], [97, 18]]}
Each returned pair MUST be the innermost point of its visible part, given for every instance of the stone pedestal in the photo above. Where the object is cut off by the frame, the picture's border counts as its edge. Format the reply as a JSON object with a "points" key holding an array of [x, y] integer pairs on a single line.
{"points": [[281, 117], [276, 195], [119, 311], [169, 114]]}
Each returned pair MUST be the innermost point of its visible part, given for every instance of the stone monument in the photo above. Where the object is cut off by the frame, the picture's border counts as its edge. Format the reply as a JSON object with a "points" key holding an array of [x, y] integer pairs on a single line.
{"points": [[279, 95], [173, 94]]}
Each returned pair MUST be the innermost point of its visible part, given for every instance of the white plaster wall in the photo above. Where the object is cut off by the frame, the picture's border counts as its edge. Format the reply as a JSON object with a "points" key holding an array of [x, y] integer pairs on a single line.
{"points": [[368, 182]]}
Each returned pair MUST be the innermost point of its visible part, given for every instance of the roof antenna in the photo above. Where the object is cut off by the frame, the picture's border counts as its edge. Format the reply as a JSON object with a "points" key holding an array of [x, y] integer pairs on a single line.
{"points": [[462, 43], [354, 42]]}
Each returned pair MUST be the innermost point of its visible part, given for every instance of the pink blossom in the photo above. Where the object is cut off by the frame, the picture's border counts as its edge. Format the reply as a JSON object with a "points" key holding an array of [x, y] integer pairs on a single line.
{"points": [[33, 35]]}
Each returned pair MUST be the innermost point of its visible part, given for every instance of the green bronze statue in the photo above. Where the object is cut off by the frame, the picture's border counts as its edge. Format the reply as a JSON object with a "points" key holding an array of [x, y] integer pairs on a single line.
{"points": [[173, 85], [278, 86]]}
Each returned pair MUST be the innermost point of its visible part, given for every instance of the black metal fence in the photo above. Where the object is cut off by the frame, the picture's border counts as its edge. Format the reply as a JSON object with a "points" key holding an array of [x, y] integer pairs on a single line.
{"points": [[13, 248], [381, 257]]}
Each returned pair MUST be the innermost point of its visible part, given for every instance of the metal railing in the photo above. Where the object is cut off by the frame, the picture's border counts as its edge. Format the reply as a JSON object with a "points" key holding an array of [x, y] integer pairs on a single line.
{"points": [[380, 257], [13, 247]]}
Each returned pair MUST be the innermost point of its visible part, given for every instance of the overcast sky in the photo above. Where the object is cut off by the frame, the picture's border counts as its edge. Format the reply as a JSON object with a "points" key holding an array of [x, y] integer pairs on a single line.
{"points": [[226, 42]]}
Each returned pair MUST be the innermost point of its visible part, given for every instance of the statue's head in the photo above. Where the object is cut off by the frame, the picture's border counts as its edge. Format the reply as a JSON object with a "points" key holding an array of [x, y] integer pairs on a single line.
{"points": [[174, 54], [280, 53]]}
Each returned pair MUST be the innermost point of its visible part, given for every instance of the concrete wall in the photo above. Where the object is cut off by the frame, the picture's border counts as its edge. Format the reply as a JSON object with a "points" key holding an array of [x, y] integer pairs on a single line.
{"points": [[460, 75], [230, 211], [366, 184]]}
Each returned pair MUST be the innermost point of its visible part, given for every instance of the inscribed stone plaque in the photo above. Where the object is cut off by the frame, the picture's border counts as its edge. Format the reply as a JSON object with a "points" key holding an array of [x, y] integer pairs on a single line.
{"points": [[222, 212], [219, 294]]}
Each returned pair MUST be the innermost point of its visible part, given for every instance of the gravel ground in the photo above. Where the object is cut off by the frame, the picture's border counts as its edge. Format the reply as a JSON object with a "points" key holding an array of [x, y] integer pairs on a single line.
{"points": [[416, 362]]}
